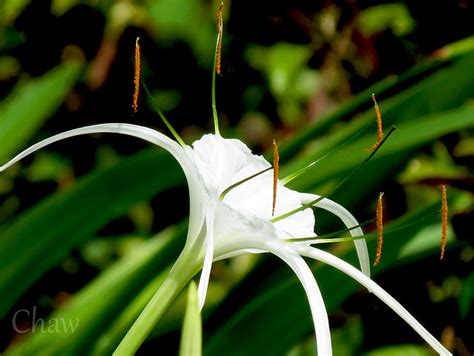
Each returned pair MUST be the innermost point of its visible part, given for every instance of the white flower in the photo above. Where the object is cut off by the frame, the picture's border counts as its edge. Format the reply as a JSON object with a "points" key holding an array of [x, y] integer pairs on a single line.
{"points": [[226, 222]]}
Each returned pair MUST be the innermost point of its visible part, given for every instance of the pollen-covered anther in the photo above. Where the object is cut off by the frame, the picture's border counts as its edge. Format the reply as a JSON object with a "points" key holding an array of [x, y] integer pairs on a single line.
{"points": [[444, 220], [379, 223], [136, 78], [379, 125], [276, 171], [220, 32]]}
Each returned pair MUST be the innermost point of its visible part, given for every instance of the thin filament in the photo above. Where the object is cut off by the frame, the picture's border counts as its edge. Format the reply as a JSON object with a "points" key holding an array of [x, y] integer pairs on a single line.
{"points": [[444, 220], [235, 185], [379, 223], [276, 170], [299, 172], [333, 236], [217, 66], [339, 185], [136, 78], [162, 116], [379, 125]]}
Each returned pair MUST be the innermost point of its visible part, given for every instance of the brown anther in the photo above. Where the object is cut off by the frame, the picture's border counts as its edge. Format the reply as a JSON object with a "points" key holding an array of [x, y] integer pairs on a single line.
{"points": [[379, 223], [444, 220], [220, 31], [379, 125], [276, 170], [136, 78]]}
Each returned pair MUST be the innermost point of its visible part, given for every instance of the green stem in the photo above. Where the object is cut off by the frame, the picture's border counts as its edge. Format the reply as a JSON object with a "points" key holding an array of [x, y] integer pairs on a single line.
{"points": [[157, 108], [213, 90], [182, 272], [235, 185]]}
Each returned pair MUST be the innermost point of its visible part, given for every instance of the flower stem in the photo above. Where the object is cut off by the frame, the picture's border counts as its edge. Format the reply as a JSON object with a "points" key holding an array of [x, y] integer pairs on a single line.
{"points": [[213, 89], [217, 66], [182, 272], [157, 108]]}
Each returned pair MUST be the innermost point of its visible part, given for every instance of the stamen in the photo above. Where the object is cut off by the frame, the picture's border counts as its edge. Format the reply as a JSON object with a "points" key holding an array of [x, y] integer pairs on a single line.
{"points": [[339, 185], [276, 170], [379, 222], [444, 219], [379, 125], [217, 65], [152, 100], [330, 237], [235, 185], [220, 31], [136, 78]]}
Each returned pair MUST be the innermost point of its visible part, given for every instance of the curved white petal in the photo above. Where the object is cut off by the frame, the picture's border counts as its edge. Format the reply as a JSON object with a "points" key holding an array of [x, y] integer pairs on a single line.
{"points": [[196, 217], [315, 299], [348, 219], [238, 232], [236, 253], [376, 289], [208, 258], [225, 162]]}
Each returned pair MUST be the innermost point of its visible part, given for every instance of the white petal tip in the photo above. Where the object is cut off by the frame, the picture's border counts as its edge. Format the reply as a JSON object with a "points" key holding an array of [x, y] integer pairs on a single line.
{"points": [[201, 298]]}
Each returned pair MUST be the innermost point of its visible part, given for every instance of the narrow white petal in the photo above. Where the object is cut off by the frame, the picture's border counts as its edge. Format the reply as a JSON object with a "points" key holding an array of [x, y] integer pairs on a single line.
{"points": [[348, 219], [238, 253], [315, 299], [377, 290], [196, 211], [208, 258]]}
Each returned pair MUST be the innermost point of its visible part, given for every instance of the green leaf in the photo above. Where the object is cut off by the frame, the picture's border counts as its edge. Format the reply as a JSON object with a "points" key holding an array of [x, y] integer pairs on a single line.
{"points": [[467, 295], [409, 137], [465, 147], [405, 350], [47, 232], [31, 103], [379, 18], [10, 10], [186, 20], [171, 320], [97, 311], [457, 48], [281, 63], [440, 85], [191, 336]]}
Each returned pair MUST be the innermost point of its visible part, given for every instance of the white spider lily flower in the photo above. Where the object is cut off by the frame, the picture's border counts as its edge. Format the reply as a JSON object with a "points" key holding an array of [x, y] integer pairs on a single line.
{"points": [[231, 214]]}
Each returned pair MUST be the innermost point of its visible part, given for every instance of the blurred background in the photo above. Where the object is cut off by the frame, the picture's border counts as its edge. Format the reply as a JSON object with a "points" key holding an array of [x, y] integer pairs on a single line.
{"points": [[73, 215]]}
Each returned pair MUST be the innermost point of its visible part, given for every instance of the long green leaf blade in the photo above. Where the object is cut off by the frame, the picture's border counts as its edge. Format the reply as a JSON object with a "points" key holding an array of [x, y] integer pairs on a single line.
{"points": [[191, 336], [46, 233], [32, 103]]}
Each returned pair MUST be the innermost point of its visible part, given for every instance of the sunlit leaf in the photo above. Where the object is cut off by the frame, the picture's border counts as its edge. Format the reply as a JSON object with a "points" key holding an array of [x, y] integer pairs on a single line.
{"points": [[406, 350], [30, 104], [394, 16], [99, 303], [191, 336], [47, 232]]}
